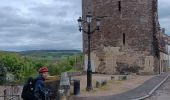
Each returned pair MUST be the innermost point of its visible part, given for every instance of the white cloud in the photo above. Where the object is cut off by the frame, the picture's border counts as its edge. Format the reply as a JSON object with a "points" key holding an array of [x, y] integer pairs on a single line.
{"points": [[36, 24], [164, 14], [48, 24]]}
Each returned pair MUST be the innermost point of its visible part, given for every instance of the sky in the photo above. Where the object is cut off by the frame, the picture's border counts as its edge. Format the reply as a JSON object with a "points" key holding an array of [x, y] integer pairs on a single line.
{"points": [[49, 24]]}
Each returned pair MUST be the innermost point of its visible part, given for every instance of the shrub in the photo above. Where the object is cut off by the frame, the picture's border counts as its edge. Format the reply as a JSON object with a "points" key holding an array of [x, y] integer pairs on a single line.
{"points": [[125, 69]]}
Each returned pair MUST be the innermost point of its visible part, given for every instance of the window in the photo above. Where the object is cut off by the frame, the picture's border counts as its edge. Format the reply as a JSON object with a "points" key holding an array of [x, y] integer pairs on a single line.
{"points": [[124, 38], [119, 5]]}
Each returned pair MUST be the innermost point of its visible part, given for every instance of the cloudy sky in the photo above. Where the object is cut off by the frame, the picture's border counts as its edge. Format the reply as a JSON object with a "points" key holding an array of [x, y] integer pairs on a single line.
{"points": [[48, 24]]}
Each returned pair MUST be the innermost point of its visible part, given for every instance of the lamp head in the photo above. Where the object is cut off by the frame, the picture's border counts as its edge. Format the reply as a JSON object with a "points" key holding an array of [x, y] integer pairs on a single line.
{"points": [[80, 23], [98, 23], [89, 17]]}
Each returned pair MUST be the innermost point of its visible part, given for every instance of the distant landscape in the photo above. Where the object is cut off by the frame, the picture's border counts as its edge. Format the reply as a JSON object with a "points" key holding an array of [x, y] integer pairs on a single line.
{"points": [[26, 63], [49, 54]]}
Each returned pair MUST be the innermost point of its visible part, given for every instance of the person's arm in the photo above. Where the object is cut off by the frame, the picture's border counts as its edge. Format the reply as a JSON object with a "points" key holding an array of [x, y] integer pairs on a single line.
{"points": [[36, 90], [42, 88], [39, 89]]}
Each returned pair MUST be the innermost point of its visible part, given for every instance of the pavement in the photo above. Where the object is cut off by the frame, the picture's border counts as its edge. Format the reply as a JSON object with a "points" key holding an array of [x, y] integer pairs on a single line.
{"points": [[140, 91], [162, 93]]}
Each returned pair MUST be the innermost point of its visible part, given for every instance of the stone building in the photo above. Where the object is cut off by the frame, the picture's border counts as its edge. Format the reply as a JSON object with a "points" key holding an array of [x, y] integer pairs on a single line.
{"points": [[164, 48], [127, 36], [168, 51]]}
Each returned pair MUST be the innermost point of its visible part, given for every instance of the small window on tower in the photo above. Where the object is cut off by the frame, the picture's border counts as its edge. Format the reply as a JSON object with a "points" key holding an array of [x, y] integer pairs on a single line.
{"points": [[119, 5], [124, 38]]}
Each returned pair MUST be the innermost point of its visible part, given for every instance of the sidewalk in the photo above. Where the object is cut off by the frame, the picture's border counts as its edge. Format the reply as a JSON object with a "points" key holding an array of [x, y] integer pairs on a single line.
{"points": [[140, 91]]}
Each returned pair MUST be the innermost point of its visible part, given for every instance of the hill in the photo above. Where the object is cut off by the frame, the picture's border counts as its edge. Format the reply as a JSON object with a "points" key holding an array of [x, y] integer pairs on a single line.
{"points": [[49, 54], [30, 52]]}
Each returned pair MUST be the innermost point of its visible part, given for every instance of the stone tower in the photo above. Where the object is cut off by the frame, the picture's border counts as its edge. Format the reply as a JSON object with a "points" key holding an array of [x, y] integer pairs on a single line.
{"points": [[127, 36]]}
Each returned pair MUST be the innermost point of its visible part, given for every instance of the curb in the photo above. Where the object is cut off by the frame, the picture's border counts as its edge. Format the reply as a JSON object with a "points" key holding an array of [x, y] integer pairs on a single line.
{"points": [[153, 90]]}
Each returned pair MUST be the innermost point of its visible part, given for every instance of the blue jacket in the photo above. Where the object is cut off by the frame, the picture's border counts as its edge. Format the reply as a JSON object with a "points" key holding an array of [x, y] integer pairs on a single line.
{"points": [[40, 91]]}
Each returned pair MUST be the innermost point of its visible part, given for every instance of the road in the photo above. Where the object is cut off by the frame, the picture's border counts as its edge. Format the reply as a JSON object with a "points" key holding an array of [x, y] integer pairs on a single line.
{"points": [[163, 92], [137, 92]]}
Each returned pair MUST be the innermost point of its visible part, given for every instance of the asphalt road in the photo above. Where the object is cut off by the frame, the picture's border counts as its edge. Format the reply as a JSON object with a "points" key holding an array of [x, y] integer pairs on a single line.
{"points": [[140, 91], [163, 92]]}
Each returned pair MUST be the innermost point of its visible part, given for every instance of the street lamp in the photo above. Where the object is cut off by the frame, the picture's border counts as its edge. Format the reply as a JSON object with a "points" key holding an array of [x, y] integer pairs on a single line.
{"points": [[88, 21]]}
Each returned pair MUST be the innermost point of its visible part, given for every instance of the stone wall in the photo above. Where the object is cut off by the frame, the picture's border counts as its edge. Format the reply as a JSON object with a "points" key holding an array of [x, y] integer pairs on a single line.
{"points": [[14, 90], [125, 36]]}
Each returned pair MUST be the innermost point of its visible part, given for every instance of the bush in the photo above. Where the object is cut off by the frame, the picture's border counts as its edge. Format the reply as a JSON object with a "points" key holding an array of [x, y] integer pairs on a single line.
{"points": [[122, 68], [23, 67], [125, 69], [134, 69]]}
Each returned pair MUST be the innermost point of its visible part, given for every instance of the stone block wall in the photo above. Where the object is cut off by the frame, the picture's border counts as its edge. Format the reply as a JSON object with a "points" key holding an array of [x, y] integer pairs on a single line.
{"points": [[125, 36]]}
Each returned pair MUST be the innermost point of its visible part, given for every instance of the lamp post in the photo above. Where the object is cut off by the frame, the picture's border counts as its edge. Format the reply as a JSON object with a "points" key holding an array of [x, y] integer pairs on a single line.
{"points": [[88, 21]]}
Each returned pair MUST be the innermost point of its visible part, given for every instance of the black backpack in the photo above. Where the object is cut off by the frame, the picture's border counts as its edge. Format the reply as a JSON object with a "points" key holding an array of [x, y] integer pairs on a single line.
{"points": [[28, 89]]}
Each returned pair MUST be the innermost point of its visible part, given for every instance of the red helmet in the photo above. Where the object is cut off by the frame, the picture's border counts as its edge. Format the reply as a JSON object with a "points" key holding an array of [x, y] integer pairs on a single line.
{"points": [[43, 69]]}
